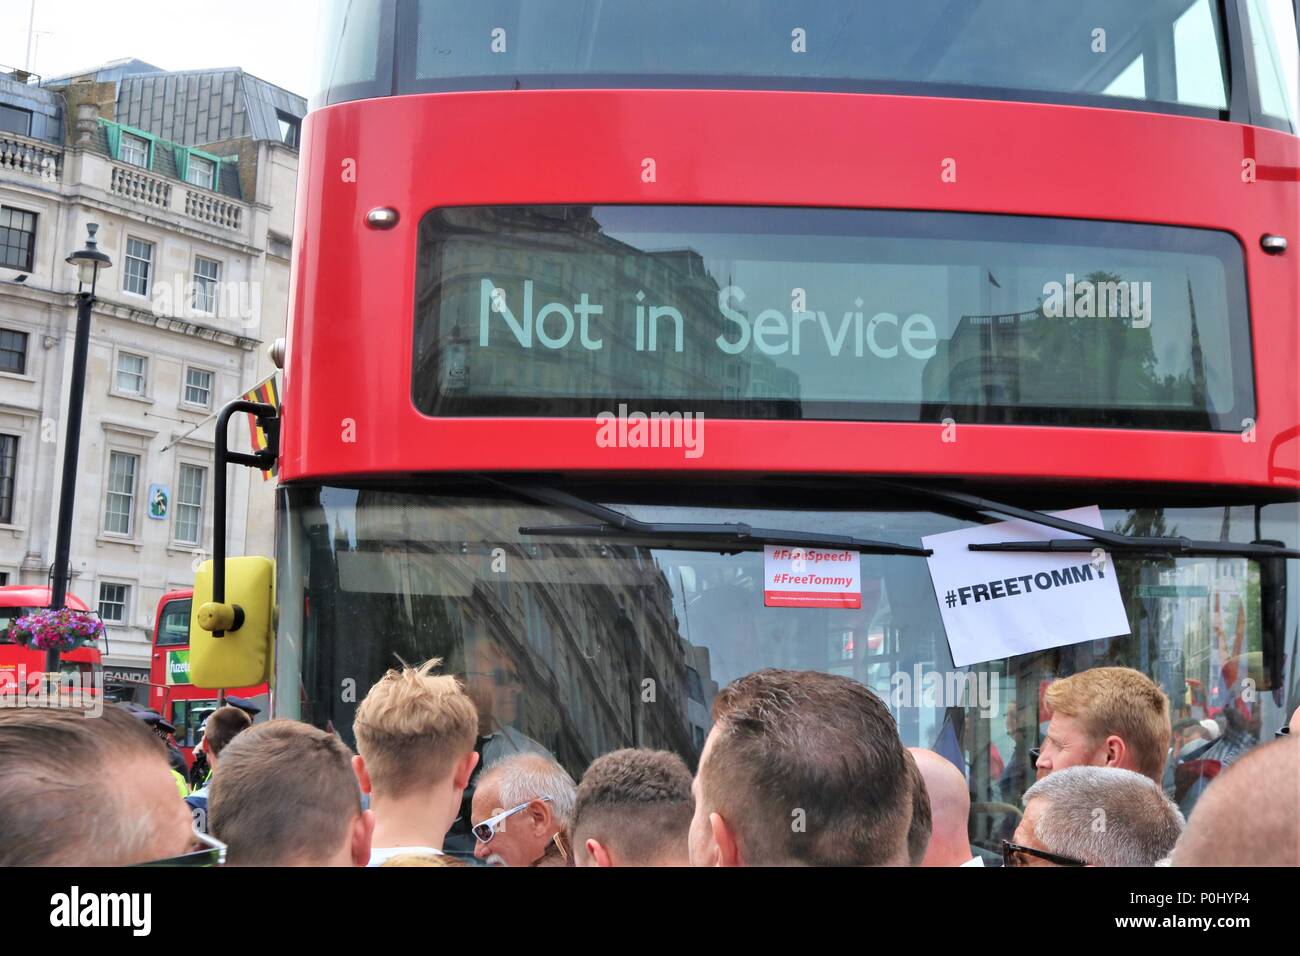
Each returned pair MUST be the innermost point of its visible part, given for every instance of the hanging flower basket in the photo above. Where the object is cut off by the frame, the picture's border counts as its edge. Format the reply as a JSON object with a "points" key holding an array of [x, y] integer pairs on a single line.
{"points": [[63, 629]]}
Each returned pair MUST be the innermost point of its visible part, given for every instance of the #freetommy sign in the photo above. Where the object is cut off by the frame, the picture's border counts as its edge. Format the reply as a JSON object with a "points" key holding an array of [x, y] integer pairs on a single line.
{"points": [[811, 577]]}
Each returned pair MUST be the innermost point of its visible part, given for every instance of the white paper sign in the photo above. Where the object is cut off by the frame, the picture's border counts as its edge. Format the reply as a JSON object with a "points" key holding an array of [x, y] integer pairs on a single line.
{"points": [[811, 577], [1000, 604]]}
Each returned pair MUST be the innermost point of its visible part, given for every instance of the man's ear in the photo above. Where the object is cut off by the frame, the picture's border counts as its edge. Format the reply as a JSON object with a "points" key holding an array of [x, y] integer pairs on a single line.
{"points": [[363, 776], [1116, 751], [539, 816], [363, 831], [725, 839], [464, 770], [598, 854]]}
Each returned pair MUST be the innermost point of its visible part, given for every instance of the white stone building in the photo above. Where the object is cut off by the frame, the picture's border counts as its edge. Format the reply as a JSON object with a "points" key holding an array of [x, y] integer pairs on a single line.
{"points": [[199, 234]]}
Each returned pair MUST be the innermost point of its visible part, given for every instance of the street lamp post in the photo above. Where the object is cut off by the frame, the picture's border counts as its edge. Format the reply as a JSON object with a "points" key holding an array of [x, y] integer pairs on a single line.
{"points": [[89, 261]]}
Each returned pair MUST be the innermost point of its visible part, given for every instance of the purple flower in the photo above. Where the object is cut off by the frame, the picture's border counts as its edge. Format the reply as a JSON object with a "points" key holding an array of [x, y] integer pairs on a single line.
{"points": [[61, 629]]}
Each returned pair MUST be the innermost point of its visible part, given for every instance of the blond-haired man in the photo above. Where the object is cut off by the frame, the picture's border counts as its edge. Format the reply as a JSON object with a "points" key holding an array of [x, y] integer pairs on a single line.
{"points": [[1106, 717], [415, 736]]}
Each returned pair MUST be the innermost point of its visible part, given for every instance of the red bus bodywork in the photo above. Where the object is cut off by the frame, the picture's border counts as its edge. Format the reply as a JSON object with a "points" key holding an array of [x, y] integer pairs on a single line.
{"points": [[347, 394], [18, 600], [349, 415], [173, 699]]}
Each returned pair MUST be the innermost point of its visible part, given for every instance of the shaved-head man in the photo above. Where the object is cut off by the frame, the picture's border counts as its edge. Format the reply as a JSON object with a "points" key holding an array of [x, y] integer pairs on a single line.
{"points": [[77, 790], [949, 811], [1250, 815], [918, 831], [634, 808], [802, 768], [1094, 816]]}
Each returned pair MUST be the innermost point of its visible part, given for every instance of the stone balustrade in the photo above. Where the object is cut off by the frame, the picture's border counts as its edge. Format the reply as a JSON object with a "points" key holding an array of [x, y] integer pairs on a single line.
{"points": [[141, 186], [214, 209], [30, 157]]}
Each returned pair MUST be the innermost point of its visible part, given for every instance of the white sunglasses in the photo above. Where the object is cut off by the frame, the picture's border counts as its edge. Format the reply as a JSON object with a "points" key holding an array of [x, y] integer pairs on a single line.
{"points": [[485, 831]]}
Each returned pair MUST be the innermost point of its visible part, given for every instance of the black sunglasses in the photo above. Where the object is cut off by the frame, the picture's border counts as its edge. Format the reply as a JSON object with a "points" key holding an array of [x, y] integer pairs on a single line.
{"points": [[1011, 856]]}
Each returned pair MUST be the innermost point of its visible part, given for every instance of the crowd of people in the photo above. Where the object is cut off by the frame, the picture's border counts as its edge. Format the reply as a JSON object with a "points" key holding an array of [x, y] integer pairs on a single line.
{"points": [[799, 768]]}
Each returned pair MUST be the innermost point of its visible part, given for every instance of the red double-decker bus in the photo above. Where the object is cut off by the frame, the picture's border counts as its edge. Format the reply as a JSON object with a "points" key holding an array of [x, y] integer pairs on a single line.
{"points": [[593, 303]]}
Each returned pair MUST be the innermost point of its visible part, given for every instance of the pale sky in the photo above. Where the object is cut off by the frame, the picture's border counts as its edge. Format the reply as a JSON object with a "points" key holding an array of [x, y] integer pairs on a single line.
{"points": [[170, 34], [189, 34]]}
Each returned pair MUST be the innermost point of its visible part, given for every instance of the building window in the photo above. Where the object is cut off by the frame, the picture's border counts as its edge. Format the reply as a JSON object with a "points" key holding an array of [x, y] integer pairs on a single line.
{"points": [[113, 599], [134, 150], [139, 265], [17, 239], [13, 352], [290, 126], [131, 373], [198, 387], [207, 273], [8, 468], [200, 172], [189, 504], [15, 120], [120, 505]]}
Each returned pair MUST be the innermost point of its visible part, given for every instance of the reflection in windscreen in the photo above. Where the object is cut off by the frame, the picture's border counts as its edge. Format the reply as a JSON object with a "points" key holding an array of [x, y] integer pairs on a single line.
{"points": [[1048, 45], [837, 314], [1155, 51], [575, 647]]}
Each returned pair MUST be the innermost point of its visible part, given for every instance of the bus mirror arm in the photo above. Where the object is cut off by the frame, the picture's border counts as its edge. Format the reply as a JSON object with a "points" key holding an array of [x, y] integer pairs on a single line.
{"points": [[217, 616]]}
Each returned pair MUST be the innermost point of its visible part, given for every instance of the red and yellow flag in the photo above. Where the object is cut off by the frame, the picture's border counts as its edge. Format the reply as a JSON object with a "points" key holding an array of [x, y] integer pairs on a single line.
{"points": [[268, 394]]}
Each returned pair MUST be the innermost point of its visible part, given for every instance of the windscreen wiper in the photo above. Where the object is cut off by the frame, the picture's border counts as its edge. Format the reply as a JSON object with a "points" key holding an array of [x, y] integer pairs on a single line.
{"points": [[729, 538], [1091, 537]]}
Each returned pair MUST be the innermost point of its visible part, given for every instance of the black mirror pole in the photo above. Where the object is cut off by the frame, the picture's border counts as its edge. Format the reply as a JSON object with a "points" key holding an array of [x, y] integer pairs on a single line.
{"points": [[224, 457], [71, 450]]}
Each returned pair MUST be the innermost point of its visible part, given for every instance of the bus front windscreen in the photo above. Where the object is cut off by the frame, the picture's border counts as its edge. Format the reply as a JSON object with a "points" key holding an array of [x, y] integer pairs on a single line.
{"points": [[834, 314], [577, 646], [1162, 53]]}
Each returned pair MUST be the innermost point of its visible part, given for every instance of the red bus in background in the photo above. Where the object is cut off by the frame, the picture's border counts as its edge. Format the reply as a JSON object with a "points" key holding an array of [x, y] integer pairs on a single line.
{"points": [[896, 270], [19, 599], [171, 694]]}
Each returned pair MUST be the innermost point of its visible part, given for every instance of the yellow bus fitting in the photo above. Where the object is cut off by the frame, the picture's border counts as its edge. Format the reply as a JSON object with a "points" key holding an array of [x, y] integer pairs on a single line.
{"points": [[220, 617]]}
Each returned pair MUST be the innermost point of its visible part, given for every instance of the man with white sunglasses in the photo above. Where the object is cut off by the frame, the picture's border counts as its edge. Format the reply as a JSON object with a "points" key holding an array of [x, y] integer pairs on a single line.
{"points": [[522, 811]]}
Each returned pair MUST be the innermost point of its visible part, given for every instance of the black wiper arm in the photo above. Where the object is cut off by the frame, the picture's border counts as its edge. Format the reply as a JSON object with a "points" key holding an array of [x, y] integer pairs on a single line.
{"points": [[731, 538], [1091, 537], [1146, 545]]}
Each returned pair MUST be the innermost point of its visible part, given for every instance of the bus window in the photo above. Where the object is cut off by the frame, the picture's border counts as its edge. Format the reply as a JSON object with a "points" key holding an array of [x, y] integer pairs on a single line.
{"points": [[174, 629], [7, 616], [188, 717]]}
